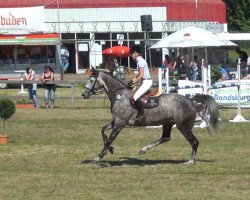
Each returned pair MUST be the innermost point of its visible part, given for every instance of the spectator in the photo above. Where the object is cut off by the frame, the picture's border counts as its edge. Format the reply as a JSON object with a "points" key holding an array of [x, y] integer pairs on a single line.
{"points": [[49, 89], [170, 64], [225, 71], [30, 76], [233, 77], [64, 58], [223, 77], [248, 66], [194, 68], [248, 61], [242, 55], [247, 77], [182, 69]]}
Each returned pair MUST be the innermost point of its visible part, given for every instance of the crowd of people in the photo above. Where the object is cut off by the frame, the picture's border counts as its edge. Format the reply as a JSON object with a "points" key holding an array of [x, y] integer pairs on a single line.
{"points": [[178, 67], [244, 60]]}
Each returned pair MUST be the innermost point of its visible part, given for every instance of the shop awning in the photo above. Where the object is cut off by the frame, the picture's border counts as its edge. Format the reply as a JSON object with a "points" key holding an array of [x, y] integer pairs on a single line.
{"points": [[30, 39]]}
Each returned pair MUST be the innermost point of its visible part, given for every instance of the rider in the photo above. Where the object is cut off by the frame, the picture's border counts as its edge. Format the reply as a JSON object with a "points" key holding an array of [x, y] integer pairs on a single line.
{"points": [[143, 77]]}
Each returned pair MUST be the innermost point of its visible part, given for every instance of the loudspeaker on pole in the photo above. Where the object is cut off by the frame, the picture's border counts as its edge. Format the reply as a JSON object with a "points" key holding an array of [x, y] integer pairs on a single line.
{"points": [[146, 23]]}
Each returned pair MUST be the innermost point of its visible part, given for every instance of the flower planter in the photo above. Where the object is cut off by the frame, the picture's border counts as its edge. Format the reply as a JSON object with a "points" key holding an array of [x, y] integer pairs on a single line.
{"points": [[24, 105], [4, 139]]}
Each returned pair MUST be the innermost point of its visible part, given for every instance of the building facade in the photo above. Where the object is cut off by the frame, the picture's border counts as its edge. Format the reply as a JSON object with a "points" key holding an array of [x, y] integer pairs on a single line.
{"points": [[87, 27]]}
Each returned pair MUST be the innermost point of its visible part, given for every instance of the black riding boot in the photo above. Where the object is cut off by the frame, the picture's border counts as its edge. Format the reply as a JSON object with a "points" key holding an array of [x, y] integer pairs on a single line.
{"points": [[140, 110]]}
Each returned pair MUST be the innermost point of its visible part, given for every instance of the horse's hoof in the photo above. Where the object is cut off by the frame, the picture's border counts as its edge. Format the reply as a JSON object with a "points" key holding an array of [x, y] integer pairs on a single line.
{"points": [[190, 162], [111, 150], [141, 152], [96, 160]]}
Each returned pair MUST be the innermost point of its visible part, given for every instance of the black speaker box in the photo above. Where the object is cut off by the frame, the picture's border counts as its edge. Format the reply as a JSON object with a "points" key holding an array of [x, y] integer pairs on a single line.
{"points": [[146, 23]]}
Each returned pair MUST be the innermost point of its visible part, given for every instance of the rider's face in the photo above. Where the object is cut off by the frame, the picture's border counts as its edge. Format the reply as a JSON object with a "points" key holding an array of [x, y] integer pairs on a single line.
{"points": [[134, 55]]}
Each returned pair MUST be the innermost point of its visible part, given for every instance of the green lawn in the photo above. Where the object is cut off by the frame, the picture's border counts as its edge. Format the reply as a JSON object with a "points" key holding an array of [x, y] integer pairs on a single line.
{"points": [[51, 149]]}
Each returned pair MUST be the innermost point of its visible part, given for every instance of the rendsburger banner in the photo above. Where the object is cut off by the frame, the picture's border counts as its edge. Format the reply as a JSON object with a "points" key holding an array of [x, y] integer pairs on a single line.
{"points": [[25, 18]]}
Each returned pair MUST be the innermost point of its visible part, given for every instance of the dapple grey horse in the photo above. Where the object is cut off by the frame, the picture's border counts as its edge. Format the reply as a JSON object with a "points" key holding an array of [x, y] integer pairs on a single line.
{"points": [[173, 109]]}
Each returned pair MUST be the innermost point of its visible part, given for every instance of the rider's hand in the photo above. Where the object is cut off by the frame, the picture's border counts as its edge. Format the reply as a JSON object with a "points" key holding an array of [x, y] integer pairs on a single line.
{"points": [[130, 83]]}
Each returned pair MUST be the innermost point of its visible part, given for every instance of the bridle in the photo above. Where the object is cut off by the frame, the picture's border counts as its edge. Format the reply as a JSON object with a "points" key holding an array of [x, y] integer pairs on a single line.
{"points": [[92, 91]]}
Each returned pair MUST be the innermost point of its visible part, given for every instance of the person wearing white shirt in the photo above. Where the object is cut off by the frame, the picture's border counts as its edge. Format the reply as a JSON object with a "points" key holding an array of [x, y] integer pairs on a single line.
{"points": [[30, 76], [64, 58], [143, 77]]}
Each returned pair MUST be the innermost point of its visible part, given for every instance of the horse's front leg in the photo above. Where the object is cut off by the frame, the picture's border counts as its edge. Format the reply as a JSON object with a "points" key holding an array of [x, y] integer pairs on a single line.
{"points": [[116, 130], [105, 137]]}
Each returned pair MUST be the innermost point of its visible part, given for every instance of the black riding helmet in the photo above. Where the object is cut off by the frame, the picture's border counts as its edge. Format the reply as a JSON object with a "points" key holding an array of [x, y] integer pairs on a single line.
{"points": [[135, 48]]}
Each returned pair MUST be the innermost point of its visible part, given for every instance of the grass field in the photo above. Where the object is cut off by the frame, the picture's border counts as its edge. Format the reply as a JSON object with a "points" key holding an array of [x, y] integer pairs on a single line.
{"points": [[51, 149]]}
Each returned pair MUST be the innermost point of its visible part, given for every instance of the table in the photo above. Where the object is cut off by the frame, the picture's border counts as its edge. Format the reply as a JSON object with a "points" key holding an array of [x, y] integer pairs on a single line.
{"points": [[21, 72]]}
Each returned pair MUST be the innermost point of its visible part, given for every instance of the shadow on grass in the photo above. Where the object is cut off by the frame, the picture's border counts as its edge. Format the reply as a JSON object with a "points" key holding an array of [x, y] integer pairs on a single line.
{"points": [[139, 162]]}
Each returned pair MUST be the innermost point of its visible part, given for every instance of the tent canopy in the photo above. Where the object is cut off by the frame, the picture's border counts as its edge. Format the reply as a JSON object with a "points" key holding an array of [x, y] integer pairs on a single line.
{"points": [[192, 37]]}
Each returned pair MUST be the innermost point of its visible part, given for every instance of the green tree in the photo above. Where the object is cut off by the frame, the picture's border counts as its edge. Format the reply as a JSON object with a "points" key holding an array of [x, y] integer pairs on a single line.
{"points": [[238, 15]]}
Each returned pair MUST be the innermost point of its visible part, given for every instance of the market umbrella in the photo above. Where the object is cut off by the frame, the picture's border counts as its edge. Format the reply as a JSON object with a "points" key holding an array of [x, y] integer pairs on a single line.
{"points": [[117, 51], [192, 37]]}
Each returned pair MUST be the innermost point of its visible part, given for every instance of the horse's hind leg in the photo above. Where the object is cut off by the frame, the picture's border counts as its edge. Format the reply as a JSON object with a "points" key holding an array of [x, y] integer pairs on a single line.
{"points": [[188, 134], [105, 137], [164, 138]]}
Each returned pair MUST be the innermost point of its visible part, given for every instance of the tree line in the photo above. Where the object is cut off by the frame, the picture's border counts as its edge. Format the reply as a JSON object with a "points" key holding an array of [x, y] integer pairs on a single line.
{"points": [[238, 15]]}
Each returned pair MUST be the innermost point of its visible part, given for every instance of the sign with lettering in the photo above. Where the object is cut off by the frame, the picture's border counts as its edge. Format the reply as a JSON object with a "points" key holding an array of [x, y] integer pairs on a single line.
{"points": [[30, 19], [229, 96]]}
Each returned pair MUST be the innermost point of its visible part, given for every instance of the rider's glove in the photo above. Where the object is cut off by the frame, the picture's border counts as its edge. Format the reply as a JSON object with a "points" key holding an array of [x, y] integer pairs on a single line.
{"points": [[129, 84]]}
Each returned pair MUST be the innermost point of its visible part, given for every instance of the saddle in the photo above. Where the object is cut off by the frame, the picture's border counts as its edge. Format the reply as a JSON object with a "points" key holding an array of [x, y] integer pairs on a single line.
{"points": [[148, 100]]}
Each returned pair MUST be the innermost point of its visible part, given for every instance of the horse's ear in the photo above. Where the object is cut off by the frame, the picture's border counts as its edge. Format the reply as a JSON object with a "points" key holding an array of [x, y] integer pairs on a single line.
{"points": [[95, 72]]}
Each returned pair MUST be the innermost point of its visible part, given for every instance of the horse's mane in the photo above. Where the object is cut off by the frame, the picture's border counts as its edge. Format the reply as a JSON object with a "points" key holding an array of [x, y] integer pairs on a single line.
{"points": [[116, 78]]}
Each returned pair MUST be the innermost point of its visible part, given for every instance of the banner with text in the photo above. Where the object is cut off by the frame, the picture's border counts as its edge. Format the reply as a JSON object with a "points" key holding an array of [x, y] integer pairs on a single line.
{"points": [[225, 97], [30, 19], [229, 96]]}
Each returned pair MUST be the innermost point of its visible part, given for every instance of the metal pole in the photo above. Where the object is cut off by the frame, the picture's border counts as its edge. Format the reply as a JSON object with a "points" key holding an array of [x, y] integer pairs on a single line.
{"points": [[128, 46], [58, 18], [196, 9], [167, 80], [239, 94], [239, 117], [149, 52], [72, 95]]}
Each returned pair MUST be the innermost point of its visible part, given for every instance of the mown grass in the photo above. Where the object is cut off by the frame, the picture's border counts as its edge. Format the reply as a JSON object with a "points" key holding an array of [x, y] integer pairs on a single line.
{"points": [[51, 149]]}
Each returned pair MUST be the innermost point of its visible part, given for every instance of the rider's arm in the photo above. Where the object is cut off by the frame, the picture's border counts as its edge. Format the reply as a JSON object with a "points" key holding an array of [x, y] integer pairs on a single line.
{"points": [[140, 76]]}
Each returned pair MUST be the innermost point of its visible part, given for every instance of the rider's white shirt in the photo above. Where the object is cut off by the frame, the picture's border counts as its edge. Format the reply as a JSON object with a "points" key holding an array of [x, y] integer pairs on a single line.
{"points": [[142, 63]]}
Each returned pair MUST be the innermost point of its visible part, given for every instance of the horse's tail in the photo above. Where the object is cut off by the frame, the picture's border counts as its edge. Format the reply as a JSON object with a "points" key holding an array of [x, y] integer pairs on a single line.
{"points": [[208, 110]]}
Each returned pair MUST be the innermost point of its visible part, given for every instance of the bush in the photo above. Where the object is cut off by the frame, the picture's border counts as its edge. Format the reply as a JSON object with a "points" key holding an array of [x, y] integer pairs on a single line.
{"points": [[7, 110], [215, 74]]}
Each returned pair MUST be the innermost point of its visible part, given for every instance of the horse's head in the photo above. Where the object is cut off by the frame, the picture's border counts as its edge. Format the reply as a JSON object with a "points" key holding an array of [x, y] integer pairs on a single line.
{"points": [[92, 85]]}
